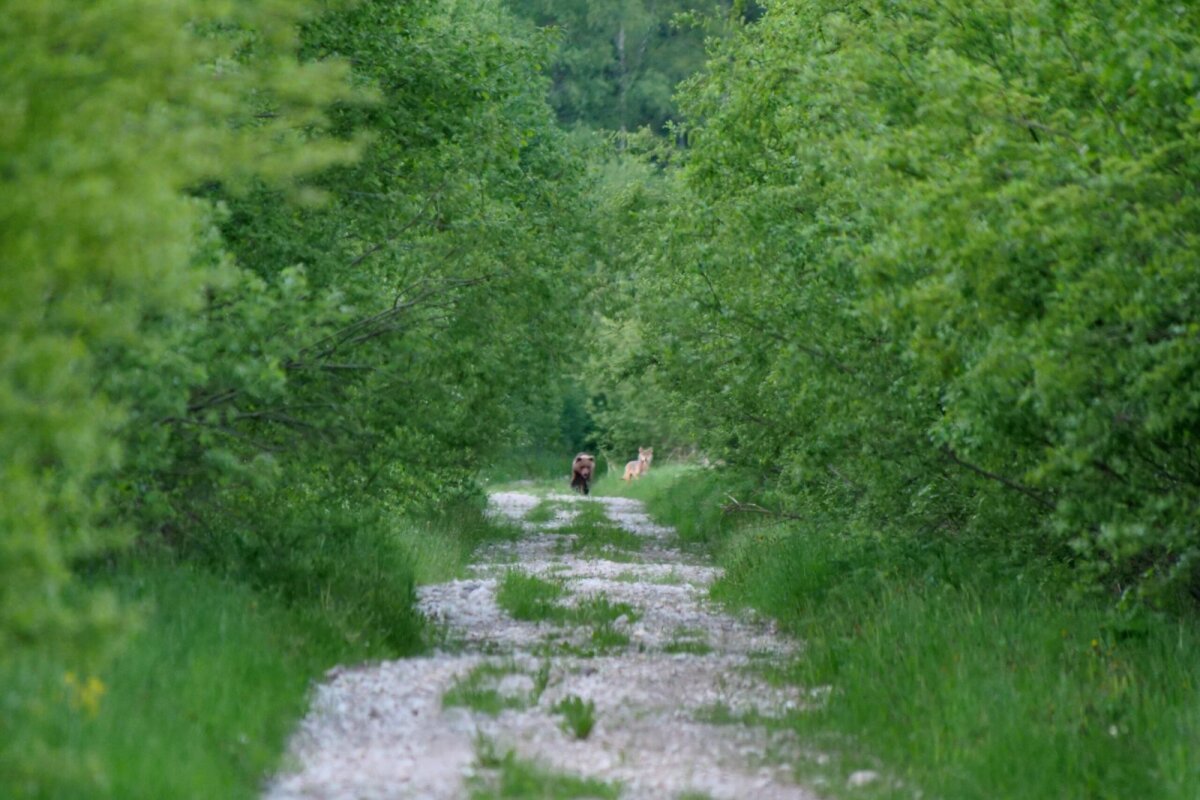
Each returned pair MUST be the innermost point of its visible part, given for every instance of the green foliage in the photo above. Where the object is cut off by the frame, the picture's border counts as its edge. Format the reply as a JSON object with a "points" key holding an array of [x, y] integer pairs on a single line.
{"points": [[529, 781], [381, 343], [479, 690], [934, 267], [110, 115], [530, 598], [198, 703], [348, 560], [579, 716], [619, 60], [193, 335], [282, 276], [948, 666]]}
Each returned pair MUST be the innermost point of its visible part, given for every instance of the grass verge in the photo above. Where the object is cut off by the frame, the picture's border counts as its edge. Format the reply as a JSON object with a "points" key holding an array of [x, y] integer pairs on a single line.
{"points": [[198, 701], [961, 676], [197, 704]]}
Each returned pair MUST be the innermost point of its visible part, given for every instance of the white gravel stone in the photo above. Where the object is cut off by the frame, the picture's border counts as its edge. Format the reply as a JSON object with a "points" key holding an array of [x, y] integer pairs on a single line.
{"points": [[380, 731]]}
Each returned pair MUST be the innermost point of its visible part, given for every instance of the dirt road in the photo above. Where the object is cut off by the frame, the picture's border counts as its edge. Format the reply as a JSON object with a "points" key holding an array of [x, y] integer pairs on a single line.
{"points": [[672, 686]]}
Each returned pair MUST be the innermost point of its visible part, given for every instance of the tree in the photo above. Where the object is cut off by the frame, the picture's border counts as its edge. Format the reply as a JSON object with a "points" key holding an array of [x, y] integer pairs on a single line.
{"points": [[933, 264], [110, 116]]}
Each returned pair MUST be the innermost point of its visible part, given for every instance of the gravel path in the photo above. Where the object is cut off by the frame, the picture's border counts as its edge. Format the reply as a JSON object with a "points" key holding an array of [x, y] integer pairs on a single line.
{"points": [[383, 731]]}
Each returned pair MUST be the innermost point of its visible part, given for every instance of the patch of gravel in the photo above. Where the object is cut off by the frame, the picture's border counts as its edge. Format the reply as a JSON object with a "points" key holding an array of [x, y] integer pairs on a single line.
{"points": [[380, 731]]}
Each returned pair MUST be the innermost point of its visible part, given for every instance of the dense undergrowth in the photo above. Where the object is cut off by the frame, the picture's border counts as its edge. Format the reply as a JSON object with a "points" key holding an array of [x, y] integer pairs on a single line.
{"points": [[957, 673]]}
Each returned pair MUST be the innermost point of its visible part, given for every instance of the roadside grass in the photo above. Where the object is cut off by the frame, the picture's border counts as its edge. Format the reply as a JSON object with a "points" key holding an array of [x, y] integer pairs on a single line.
{"points": [[198, 703], [440, 549], [199, 699], [533, 470], [526, 465], [518, 779], [685, 496], [955, 672]]}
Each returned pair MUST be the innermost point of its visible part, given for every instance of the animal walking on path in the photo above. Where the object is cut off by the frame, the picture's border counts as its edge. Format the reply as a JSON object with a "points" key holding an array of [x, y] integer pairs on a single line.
{"points": [[581, 471], [636, 469]]}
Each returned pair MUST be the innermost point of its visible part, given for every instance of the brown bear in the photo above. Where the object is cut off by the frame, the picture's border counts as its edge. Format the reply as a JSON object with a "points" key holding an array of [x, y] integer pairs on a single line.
{"points": [[581, 471]]}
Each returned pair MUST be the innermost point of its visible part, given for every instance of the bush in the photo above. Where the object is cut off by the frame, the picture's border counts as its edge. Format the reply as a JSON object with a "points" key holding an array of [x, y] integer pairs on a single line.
{"points": [[930, 266]]}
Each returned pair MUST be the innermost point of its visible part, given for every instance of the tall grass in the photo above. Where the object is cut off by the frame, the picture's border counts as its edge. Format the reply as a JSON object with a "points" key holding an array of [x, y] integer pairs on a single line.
{"points": [[198, 702], [196, 705], [958, 674]]}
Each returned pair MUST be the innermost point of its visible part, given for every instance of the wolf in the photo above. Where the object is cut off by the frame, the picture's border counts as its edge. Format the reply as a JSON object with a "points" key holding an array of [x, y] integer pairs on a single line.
{"points": [[581, 471], [636, 469]]}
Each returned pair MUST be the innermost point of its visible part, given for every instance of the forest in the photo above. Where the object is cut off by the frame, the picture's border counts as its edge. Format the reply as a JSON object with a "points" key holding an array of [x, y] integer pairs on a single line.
{"points": [[907, 293]]}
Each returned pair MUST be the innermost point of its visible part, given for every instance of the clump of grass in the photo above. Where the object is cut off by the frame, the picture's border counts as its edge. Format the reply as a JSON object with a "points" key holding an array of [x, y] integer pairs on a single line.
{"points": [[544, 511], [692, 646], [601, 615], [609, 541], [541, 680], [524, 780], [671, 578], [479, 689], [600, 610], [579, 715], [606, 638], [592, 533], [530, 598]]}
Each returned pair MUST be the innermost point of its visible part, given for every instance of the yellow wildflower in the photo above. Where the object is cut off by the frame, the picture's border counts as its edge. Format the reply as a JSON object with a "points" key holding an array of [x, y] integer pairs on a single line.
{"points": [[85, 694]]}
